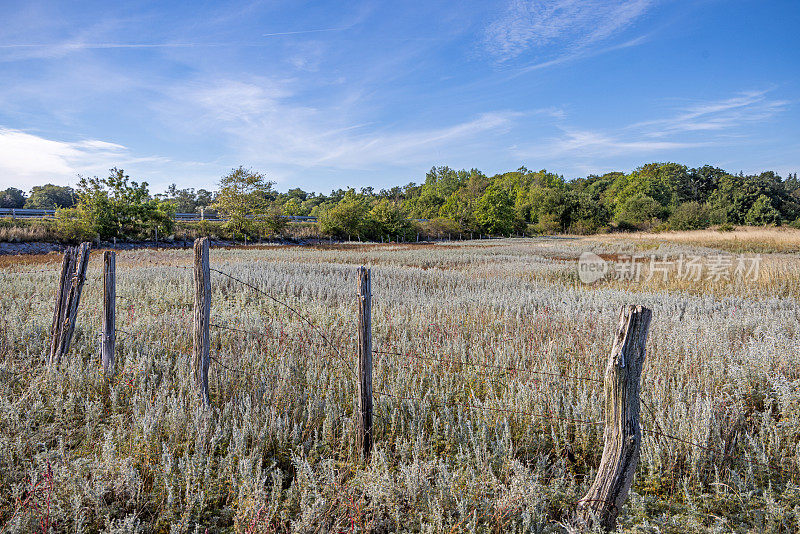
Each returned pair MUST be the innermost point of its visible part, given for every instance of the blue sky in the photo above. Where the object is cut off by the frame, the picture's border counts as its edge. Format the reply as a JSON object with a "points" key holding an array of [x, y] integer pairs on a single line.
{"points": [[322, 95]]}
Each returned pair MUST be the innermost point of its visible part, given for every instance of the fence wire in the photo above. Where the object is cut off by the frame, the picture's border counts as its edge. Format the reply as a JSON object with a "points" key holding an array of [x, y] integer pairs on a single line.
{"points": [[493, 371]]}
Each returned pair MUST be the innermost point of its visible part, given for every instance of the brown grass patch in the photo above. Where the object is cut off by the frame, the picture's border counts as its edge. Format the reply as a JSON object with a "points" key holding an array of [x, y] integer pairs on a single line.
{"points": [[742, 239], [21, 260]]}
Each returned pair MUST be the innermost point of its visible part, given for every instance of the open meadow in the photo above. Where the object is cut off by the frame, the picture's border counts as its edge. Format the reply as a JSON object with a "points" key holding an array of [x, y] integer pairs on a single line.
{"points": [[487, 383]]}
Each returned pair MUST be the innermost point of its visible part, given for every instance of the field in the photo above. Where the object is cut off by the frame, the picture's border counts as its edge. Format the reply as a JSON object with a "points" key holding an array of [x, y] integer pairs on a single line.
{"points": [[487, 390]]}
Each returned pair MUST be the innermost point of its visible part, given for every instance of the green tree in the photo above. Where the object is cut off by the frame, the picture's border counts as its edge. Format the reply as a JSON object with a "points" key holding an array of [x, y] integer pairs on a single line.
{"points": [[273, 221], [690, 216], [292, 207], [12, 198], [639, 211], [459, 208], [186, 200], [736, 196], [119, 207], [387, 219], [494, 211], [51, 196], [762, 213], [244, 197], [346, 218], [588, 213]]}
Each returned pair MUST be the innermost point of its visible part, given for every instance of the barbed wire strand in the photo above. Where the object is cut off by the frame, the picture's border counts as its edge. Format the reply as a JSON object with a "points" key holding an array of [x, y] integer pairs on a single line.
{"points": [[305, 319]]}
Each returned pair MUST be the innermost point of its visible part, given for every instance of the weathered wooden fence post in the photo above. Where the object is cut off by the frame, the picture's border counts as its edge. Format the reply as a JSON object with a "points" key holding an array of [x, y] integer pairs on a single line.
{"points": [[202, 318], [67, 267], [623, 435], [68, 296], [109, 333], [364, 362]]}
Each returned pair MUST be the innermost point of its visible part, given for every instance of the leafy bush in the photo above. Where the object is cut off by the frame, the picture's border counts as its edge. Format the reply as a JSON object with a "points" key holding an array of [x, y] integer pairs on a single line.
{"points": [[690, 216], [74, 225], [548, 224], [763, 213], [639, 211], [118, 207], [387, 219], [272, 222], [345, 219], [437, 228]]}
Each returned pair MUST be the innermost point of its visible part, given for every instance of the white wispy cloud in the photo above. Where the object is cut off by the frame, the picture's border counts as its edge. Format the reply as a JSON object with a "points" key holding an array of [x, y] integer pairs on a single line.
{"points": [[711, 123], [301, 32], [578, 53], [82, 43], [725, 114], [264, 124], [564, 27], [576, 143], [33, 160]]}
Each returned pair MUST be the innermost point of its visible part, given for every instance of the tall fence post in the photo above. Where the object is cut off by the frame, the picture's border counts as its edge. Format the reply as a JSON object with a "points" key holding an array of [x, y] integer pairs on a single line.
{"points": [[623, 436], [202, 318], [68, 296], [67, 267], [364, 362], [109, 334]]}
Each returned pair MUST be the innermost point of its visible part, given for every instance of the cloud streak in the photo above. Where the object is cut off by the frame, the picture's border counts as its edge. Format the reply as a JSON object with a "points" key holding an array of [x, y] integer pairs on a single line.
{"points": [[559, 27], [300, 32], [34, 160], [261, 121], [63, 48], [711, 123], [746, 107]]}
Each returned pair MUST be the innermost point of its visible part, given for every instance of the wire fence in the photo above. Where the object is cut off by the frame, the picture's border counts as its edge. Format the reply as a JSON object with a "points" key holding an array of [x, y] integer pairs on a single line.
{"points": [[500, 371], [444, 364]]}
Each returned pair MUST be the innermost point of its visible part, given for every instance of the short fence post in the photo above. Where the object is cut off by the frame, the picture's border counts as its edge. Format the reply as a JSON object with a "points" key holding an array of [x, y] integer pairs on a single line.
{"points": [[202, 318], [109, 334], [623, 435], [68, 296], [364, 362]]}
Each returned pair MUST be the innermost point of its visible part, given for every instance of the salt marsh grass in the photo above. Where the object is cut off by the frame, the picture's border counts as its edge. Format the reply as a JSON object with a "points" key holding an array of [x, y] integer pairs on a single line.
{"points": [[458, 447]]}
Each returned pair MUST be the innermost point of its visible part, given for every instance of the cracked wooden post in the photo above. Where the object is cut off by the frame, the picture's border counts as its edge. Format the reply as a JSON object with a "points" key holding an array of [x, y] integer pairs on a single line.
{"points": [[623, 436], [202, 318], [109, 332], [364, 362], [68, 297], [67, 267]]}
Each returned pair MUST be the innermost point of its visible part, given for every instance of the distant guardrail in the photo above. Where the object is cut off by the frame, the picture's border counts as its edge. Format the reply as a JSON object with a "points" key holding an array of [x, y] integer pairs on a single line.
{"points": [[23, 213]]}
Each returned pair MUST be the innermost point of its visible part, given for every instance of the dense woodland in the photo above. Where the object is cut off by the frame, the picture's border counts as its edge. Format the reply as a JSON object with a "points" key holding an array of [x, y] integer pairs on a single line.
{"points": [[656, 196]]}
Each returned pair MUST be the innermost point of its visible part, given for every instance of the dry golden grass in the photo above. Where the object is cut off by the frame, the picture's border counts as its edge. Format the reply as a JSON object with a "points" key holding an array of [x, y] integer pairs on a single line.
{"points": [[740, 240]]}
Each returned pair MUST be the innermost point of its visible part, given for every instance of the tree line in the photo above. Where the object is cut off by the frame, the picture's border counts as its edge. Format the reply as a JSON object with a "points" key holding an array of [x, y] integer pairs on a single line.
{"points": [[655, 196]]}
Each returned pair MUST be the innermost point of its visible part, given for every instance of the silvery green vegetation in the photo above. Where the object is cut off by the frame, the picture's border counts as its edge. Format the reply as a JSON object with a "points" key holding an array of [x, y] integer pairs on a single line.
{"points": [[457, 447]]}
